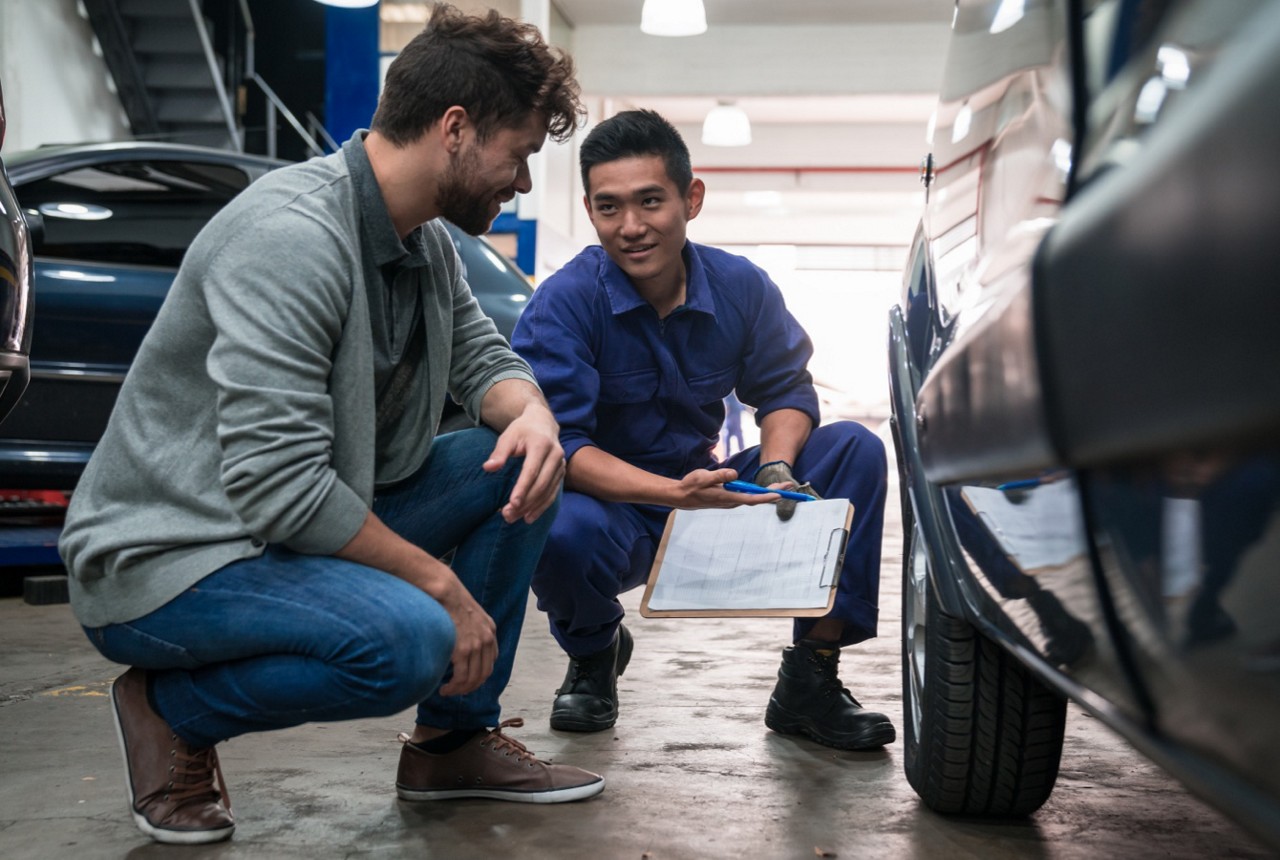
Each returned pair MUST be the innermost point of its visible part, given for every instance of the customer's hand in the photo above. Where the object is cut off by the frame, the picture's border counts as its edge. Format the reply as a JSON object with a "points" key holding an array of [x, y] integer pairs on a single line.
{"points": [[534, 435], [777, 476], [475, 646]]}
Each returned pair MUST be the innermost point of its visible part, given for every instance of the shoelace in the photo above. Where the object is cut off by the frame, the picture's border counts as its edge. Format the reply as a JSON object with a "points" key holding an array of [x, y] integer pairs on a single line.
{"points": [[498, 740], [583, 668], [501, 742], [830, 685], [580, 672], [192, 776]]}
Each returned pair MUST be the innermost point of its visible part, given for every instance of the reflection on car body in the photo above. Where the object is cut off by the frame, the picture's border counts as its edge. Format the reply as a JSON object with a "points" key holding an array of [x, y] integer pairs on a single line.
{"points": [[118, 219], [16, 276], [1086, 392]]}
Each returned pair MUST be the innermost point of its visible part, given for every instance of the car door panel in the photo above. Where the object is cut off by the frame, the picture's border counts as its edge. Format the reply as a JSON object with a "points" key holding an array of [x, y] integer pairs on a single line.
{"points": [[117, 303], [1189, 547], [1151, 265], [1175, 422], [1005, 102], [979, 414], [1110, 360]]}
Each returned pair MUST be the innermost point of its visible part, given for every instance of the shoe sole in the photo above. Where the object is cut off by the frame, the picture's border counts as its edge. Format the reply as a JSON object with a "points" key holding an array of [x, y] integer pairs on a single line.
{"points": [[872, 737], [565, 723], [562, 722], [168, 837], [559, 795]]}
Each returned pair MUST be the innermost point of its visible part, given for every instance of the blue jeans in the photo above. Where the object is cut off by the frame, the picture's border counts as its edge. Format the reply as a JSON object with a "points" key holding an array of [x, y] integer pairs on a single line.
{"points": [[285, 639]]}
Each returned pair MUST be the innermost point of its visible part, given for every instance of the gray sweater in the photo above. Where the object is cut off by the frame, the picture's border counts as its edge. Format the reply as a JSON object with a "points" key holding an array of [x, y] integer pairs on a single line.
{"points": [[248, 415]]}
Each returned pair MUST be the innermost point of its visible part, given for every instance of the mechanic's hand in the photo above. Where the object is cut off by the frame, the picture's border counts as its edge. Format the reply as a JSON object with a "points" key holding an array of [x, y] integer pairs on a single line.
{"points": [[704, 488], [534, 435], [777, 476], [475, 647]]}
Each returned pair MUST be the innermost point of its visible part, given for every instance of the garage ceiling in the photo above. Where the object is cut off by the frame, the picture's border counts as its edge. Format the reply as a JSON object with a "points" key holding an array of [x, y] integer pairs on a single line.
{"points": [[839, 93], [781, 12]]}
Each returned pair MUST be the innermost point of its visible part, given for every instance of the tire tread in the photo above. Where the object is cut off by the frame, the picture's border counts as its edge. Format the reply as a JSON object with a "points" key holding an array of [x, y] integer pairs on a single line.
{"points": [[991, 732]]}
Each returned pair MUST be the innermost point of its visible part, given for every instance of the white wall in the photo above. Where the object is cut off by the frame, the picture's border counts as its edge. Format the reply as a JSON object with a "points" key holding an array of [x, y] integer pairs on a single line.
{"points": [[846, 314], [553, 201], [749, 60], [56, 88]]}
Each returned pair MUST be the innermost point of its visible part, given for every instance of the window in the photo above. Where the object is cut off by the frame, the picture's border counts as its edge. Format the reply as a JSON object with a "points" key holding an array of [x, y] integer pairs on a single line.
{"points": [[133, 212]]}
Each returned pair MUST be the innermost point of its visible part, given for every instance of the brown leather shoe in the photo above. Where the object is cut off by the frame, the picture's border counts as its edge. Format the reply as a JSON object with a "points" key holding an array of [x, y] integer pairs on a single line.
{"points": [[491, 765], [171, 791]]}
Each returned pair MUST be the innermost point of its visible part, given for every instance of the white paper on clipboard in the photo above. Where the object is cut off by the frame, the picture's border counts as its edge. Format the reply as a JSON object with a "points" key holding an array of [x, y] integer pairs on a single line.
{"points": [[745, 558]]}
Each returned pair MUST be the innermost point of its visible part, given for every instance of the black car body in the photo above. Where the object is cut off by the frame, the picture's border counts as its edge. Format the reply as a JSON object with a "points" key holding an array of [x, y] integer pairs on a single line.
{"points": [[117, 220], [16, 277], [1085, 379]]}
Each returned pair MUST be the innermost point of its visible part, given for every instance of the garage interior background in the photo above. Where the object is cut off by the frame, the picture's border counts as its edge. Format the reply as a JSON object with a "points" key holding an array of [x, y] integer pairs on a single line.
{"points": [[825, 196]]}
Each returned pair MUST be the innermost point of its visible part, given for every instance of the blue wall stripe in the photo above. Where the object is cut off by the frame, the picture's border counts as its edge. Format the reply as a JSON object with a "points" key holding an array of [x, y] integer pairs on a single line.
{"points": [[351, 69]]}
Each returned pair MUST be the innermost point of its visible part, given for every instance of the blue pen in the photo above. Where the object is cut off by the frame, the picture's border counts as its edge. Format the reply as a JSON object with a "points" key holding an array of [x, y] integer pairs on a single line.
{"points": [[1027, 484], [756, 489]]}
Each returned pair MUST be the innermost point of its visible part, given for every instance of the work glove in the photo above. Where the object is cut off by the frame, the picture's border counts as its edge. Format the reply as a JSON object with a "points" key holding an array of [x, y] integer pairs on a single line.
{"points": [[779, 472]]}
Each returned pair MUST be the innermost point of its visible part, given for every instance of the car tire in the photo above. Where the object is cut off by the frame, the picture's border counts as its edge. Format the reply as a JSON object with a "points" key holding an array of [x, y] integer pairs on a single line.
{"points": [[982, 735]]}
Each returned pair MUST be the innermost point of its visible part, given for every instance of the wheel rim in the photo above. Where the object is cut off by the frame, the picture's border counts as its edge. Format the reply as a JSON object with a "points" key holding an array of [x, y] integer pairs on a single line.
{"points": [[913, 629]]}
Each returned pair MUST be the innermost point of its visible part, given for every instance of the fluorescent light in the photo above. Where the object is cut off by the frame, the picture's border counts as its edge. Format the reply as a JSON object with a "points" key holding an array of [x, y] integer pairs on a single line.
{"points": [[349, 4], [726, 125], [673, 18], [1175, 66]]}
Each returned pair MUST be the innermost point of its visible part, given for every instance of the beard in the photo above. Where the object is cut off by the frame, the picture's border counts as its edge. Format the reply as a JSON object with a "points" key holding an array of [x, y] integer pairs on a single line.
{"points": [[459, 201]]}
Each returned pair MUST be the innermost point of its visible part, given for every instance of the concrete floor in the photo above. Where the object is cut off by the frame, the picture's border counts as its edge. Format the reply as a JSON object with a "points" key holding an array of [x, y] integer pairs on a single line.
{"points": [[692, 771]]}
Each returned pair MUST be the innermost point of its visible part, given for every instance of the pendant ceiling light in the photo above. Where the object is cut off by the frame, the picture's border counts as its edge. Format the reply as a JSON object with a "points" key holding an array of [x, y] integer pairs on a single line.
{"points": [[673, 18], [726, 125], [349, 4]]}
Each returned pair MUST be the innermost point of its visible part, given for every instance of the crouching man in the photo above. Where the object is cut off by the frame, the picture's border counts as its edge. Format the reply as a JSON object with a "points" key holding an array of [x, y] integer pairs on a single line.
{"points": [[637, 342], [259, 533]]}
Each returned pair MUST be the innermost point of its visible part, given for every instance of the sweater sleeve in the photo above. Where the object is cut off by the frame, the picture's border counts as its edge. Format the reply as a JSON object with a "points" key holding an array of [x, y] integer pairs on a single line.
{"points": [[554, 335], [277, 298], [479, 356]]}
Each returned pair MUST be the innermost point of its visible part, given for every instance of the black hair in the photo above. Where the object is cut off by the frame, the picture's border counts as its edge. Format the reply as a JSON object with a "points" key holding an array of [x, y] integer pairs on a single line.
{"points": [[634, 133]]}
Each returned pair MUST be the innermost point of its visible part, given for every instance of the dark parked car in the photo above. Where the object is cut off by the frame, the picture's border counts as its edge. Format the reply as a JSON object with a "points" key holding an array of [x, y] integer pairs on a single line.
{"points": [[15, 290], [1085, 375], [117, 220]]}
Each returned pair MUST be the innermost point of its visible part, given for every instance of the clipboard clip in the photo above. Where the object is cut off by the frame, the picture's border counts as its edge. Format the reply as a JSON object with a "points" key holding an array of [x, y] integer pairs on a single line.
{"points": [[839, 536]]}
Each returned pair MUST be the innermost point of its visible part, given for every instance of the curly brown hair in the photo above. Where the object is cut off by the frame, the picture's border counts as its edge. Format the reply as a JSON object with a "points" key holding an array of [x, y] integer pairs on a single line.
{"points": [[496, 68]]}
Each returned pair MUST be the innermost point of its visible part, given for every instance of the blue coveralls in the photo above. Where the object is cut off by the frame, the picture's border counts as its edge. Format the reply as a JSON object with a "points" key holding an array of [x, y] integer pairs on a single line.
{"points": [[651, 392]]}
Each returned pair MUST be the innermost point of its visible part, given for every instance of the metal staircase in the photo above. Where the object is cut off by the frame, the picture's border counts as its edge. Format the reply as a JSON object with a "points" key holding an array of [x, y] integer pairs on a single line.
{"points": [[161, 54], [181, 75]]}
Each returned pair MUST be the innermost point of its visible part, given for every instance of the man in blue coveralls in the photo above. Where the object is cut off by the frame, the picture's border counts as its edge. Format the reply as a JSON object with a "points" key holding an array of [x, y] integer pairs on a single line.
{"points": [[636, 343]]}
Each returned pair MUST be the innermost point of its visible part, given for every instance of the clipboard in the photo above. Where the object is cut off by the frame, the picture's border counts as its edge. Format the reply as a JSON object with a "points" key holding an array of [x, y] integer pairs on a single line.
{"points": [[744, 561]]}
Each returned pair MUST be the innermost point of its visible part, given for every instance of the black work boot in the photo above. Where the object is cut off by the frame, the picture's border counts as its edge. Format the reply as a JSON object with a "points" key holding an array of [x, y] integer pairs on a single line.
{"points": [[587, 701], [810, 700]]}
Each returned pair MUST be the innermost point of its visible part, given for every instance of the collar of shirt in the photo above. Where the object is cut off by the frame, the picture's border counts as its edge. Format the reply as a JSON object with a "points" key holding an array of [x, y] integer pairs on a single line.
{"points": [[623, 296], [382, 246]]}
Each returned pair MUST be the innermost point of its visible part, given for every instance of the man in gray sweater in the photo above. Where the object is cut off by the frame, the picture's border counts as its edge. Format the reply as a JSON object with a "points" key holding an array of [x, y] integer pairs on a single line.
{"points": [[259, 532]]}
